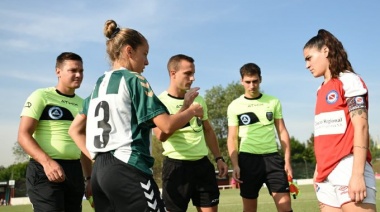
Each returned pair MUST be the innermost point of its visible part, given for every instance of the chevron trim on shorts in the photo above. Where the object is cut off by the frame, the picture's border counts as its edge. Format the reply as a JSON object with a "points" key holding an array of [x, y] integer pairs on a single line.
{"points": [[149, 195]]}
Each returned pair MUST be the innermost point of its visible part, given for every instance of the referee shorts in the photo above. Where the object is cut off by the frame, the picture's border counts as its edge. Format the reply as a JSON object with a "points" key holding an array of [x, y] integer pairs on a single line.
{"points": [[255, 170], [50, 196], [184, 180]]}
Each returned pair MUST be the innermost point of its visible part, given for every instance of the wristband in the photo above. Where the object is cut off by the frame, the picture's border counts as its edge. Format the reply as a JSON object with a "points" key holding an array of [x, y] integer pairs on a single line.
{"points": [[219, 158], [87, 178]]}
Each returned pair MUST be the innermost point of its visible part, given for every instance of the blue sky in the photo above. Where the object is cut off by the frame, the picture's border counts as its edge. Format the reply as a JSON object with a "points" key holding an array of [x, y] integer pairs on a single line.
{"points": [[220, 35]]}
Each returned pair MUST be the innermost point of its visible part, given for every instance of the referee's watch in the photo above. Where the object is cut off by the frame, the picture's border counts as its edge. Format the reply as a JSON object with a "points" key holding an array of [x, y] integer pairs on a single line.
{"points": [[219, 158], [87, 178]]}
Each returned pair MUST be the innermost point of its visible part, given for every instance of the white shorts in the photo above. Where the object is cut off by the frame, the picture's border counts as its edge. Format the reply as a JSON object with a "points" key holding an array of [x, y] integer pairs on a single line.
{"points": [[334, 190]]}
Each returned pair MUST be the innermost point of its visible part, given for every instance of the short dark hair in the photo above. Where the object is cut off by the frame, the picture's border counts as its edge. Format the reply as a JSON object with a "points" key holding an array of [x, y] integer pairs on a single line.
{"points": [[250, 69], [67, 56], [176, 59]]}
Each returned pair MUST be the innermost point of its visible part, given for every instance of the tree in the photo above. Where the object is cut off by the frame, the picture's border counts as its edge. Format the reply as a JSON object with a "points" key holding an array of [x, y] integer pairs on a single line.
{"points": [[15, 172], [375, 152], [157, 150], [297, 150], [19, 153], [302, 157], [217, 100], [309, 151]]}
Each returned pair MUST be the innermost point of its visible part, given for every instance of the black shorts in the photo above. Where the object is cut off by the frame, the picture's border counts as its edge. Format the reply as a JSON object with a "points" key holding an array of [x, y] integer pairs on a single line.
{"points": [[185, 180], [50, 196], [255, 170], [119, 187]]}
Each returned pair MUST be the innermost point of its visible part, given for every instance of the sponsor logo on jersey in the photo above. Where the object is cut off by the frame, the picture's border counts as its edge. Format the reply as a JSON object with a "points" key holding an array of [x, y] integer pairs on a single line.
{"points": [[55, 113], [332, 97], [330, 123], [256, 104], [269, 116], [245, 119], [28, 105], [69, 103]]}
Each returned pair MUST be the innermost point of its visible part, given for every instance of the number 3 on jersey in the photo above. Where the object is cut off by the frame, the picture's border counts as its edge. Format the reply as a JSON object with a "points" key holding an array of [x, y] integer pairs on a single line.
{"points": [[103, 124]]}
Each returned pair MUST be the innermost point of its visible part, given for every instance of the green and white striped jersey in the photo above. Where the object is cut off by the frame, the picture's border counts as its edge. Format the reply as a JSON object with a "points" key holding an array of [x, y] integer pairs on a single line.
{"points": [[119, 118]]}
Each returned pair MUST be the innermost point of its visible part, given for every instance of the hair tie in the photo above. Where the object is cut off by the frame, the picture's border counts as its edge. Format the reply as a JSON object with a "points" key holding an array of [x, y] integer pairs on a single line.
{"points": [[117, 30]]}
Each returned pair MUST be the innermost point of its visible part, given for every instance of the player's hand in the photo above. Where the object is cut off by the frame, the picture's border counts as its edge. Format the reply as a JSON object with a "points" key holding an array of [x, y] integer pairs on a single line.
{"points": [[356, 188], [88, 189], [189, 97], [236, 174], [222, 167], [288, 169], [197, 110], [315, 177], [54, 171]]}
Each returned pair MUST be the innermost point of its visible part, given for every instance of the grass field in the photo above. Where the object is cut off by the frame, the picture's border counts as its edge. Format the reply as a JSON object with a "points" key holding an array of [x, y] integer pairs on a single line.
{"points": [[230, 201]]}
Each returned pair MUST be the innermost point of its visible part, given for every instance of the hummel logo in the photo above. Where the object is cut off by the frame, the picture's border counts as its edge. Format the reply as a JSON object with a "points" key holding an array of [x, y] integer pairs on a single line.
{"points": [[145, 186], [150, 93], [146, 85]]}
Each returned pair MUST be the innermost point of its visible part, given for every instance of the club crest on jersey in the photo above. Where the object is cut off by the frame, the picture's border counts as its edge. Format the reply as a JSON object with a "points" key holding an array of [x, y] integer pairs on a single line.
{"points": [[269, 116], [332, 97], [359, 100], [245, 119], [55, 113]]}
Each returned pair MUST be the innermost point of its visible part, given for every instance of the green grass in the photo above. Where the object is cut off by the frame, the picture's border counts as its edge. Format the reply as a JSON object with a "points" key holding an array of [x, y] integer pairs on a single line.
{"points": [[230, 200]]}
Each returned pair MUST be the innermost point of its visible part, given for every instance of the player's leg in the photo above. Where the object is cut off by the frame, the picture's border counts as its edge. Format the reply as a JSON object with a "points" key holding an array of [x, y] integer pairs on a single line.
{"points": [[277, 181], [249, 205], [358, 207], [282, 201]]}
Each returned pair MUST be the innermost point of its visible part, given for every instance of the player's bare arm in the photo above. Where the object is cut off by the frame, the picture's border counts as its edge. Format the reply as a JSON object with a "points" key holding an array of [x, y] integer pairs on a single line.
{"points": [[213, 145], [77, 131], [359, 119], [53, 170], [232, 145], [283, 136]]}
